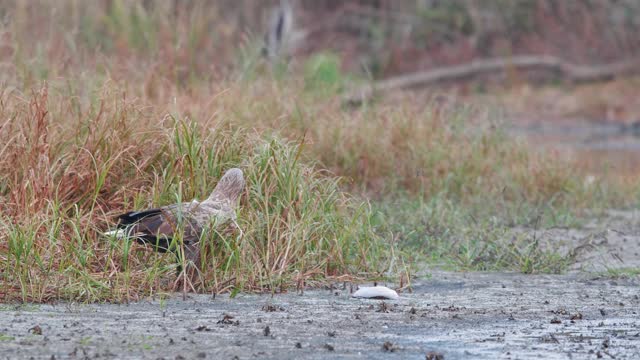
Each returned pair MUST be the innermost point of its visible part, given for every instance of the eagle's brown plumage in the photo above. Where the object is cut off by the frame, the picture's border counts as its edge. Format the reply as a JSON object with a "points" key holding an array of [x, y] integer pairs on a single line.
{"points": [[158, 227]]}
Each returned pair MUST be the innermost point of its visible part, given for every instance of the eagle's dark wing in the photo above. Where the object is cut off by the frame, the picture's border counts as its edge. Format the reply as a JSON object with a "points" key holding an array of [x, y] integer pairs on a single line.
{"points": [[157, 227]]}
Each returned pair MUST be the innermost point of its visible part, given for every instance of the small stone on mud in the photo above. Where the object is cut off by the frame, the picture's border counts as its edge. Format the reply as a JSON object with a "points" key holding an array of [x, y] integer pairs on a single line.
{"points": [[272, 308], [550, 339], [331, 333], [432, 355], [383, 308], [389, 346], [560, 311], [228, 320], [576, 316], [298, 345], [451, 308], [266, 331], [556, 321], [329, 347]]}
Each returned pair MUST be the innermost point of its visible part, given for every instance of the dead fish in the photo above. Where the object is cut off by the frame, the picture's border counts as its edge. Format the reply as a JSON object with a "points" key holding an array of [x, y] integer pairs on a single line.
{"points": [[376, 292]]}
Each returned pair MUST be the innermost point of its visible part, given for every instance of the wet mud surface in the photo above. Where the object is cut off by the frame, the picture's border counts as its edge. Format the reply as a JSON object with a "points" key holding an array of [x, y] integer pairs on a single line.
{"points": [[448, 315], [610, 241]]}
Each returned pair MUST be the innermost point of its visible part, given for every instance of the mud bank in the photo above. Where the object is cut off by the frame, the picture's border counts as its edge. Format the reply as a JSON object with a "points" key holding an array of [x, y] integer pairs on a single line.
{"points": [[451, 315]]}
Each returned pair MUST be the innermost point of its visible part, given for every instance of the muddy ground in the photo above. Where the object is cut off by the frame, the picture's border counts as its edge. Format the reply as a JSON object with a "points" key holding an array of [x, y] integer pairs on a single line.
{"points": [[457, 316], [582, 314]]}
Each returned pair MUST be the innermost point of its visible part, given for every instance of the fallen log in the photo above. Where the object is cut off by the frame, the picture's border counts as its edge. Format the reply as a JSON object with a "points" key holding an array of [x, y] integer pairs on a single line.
{"points": [[568, 71]]}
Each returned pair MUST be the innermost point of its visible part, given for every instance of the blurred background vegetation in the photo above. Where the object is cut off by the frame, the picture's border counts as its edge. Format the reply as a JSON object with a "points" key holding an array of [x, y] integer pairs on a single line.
{"points": [[209, 39]]}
